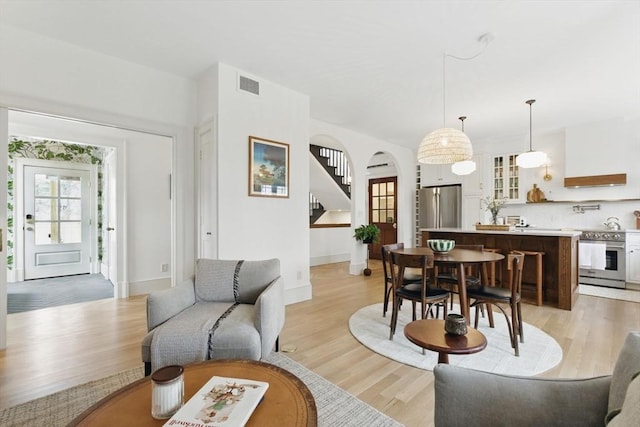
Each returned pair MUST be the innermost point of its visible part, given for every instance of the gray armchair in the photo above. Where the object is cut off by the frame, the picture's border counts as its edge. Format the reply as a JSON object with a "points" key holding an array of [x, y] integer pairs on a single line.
{"points": [[465, 397], [231, 309]]}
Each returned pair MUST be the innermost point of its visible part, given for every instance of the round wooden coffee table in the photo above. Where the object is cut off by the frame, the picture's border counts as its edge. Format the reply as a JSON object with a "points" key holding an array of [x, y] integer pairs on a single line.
{"points": [[430, 334], [287, 401]]}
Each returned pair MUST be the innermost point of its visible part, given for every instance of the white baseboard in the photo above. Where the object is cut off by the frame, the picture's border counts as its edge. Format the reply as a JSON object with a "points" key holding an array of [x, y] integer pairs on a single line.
{"points": [[329, 259], [148, 286], [297, 294], [11, 276], [356, 269], [633, 286]]}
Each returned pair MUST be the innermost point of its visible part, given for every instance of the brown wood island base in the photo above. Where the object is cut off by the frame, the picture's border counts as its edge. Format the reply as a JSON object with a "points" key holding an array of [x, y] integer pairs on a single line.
{"points": [[560, 272]]}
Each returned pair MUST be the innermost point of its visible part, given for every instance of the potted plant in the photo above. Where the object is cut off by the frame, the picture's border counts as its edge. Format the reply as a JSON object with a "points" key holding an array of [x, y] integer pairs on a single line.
{"points": [[367, 234]]}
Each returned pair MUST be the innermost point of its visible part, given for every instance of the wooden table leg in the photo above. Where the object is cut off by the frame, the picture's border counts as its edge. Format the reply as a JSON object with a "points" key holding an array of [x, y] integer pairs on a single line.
{"points": [[462, 292], [443, 357], [485, 280]]}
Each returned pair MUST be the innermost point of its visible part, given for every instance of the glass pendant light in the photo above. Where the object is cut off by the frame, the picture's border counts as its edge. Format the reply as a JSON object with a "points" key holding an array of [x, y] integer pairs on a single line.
{"points": [[531, 159], [464, 167]]}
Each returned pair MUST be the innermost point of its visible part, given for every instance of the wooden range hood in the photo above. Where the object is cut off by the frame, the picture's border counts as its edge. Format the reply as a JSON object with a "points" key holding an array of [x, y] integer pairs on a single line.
{"points": [[596, 180]]}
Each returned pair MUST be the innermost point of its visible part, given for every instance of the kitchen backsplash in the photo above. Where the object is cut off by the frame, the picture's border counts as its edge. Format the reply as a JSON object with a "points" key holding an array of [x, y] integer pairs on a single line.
{"points": [[561, 214]]}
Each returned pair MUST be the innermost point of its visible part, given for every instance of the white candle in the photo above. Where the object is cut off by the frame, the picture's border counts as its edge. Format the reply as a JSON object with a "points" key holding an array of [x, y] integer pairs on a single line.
{"points": [[167, 391]]}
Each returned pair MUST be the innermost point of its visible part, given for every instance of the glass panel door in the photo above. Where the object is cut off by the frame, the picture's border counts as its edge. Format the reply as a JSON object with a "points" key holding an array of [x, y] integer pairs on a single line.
{"points": [[57, 204]]}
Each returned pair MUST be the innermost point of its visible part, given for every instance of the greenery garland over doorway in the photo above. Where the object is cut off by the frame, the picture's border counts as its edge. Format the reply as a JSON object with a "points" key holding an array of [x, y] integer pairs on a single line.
{"points": [[44, 149]]}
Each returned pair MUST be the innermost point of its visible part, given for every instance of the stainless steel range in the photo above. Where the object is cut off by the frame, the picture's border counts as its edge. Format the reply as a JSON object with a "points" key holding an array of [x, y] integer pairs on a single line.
{"points": [[614, 272]]}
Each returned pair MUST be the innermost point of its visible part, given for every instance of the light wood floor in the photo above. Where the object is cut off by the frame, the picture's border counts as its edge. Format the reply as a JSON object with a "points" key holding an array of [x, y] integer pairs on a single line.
{"points": [[56, 348]]}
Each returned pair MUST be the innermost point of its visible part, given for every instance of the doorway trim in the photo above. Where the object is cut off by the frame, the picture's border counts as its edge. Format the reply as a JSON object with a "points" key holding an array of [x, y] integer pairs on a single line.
{"points": [[19, 247]]}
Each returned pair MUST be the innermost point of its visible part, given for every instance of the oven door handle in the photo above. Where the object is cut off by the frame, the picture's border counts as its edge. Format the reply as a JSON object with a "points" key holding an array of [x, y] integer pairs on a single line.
{"points": [[614, 247]]}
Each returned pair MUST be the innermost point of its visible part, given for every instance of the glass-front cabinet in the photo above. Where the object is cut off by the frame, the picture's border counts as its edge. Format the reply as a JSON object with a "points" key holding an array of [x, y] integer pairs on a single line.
{"points": [[505, 177]]}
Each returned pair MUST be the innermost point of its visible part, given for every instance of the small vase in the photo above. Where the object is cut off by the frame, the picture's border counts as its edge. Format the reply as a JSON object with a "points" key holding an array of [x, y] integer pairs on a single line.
{"points": [[494, 218], [455, 324]]}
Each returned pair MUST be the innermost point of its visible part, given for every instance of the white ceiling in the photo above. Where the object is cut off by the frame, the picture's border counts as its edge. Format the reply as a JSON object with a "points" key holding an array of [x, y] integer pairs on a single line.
{"points": [[377, 66]]}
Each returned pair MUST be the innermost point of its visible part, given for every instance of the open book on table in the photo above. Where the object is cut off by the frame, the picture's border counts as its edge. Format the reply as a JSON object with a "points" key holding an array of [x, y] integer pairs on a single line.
{"points": [[222, 401]]}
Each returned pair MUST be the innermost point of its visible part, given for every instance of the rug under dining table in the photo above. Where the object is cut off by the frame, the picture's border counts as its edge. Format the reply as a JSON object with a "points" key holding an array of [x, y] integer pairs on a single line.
{"points": [[539, 352]]}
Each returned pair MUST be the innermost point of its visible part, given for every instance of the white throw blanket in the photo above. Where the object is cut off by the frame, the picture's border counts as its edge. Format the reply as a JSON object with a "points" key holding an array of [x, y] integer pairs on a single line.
{"points": [[593, 255]]}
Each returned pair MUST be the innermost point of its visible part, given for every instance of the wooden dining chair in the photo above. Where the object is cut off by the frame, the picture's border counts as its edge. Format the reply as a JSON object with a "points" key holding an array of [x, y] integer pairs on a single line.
{"points": [[447, 276], [503, 297], [410, 276], [415, 292]]}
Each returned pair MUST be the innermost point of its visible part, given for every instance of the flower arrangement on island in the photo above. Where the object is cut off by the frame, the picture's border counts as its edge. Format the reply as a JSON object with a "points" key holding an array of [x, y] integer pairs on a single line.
{"points": [[493, 206]]}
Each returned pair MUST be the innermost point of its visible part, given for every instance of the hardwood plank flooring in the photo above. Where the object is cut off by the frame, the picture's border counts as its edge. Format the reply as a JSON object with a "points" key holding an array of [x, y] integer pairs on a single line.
{"points": [[56, 348]]}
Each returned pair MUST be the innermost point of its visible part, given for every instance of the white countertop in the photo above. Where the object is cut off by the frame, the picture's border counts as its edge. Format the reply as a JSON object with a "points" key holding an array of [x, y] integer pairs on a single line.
{"points": [[528, 230]]}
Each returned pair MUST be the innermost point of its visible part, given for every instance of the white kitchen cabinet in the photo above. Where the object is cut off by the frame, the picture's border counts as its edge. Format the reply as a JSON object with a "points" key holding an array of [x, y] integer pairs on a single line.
{"points": [[505, 178], [633, 257], [438, 175], [472, 184], [472, 211]]}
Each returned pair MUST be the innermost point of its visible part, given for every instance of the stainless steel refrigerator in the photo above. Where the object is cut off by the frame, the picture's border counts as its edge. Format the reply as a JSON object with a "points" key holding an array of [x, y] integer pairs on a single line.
{"points": [[441, 206]]}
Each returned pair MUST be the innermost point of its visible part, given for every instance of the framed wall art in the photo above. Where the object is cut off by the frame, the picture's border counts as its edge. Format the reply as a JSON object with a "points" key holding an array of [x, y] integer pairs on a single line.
{"points": [[268, 168]]}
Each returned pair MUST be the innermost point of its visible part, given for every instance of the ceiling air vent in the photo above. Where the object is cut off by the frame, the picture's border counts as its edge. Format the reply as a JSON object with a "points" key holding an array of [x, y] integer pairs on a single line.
{"points": [[379, 165], [249, 85]]}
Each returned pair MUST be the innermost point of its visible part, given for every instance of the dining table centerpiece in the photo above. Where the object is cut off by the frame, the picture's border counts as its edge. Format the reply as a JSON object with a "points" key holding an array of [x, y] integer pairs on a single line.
{"points": [[493, 206]]}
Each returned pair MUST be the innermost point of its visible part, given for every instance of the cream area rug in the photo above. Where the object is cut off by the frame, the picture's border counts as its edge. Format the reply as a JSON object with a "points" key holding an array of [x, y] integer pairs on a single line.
{"points": [[539, 352], [611, 293], [335, 406]]}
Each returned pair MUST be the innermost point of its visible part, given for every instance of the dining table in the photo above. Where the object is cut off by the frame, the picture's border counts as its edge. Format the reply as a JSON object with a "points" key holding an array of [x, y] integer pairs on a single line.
{"points": [[461, 259]]}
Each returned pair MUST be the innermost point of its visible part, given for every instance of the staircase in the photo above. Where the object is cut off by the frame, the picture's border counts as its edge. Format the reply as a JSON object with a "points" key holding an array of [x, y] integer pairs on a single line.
{"points": [[336, 165], [315, 209]]}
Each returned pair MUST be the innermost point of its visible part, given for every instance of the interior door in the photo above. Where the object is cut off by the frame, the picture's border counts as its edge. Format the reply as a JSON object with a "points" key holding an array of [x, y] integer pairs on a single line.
{"points": [[383, 209], [57, 223], [207, 200]]}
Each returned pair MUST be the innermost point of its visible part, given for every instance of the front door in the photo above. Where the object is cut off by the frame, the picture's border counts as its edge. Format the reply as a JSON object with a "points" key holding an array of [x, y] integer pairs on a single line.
{"points": [[57, 230], [383, 212]]}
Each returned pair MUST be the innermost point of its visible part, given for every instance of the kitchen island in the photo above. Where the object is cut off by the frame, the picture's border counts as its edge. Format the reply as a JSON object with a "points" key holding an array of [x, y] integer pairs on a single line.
{"points": [[560, 272]]}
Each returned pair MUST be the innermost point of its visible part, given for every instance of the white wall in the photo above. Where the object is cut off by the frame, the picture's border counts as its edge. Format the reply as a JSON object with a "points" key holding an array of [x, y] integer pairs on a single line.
{"points": [[75, 77], [263, 227], [49, 76], [360, 149], [335, 217], [329, 245], [149, 211]]}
